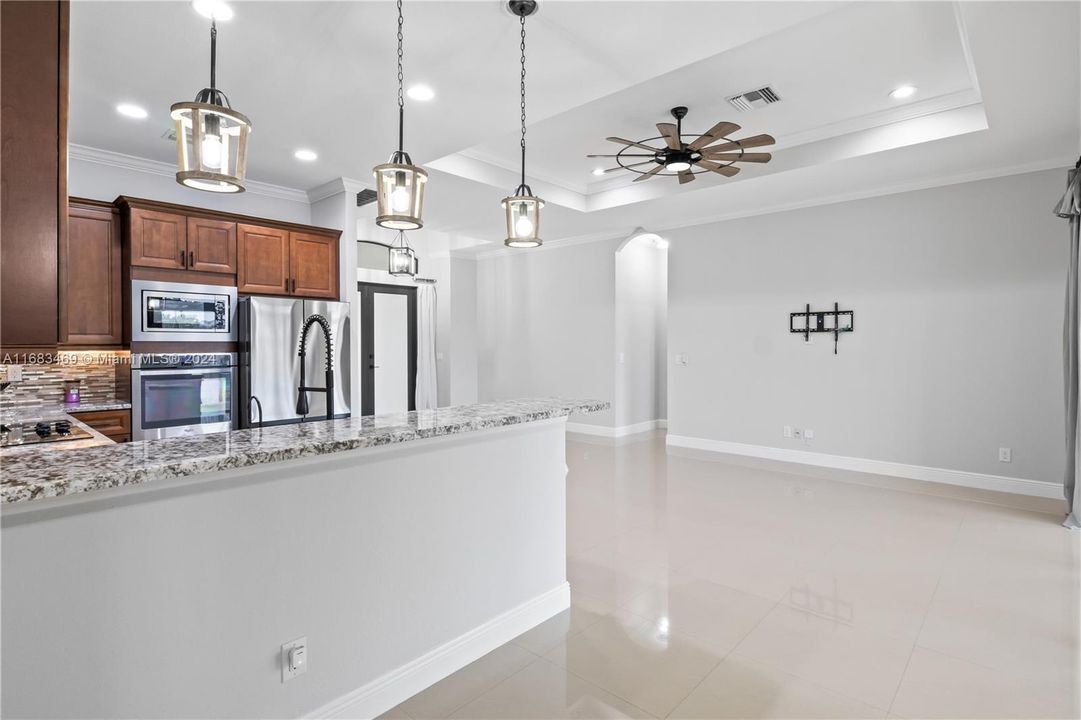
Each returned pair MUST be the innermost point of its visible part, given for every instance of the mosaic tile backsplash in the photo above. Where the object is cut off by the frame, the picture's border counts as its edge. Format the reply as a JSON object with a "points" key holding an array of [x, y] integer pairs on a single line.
{"points": [[103, 376]]}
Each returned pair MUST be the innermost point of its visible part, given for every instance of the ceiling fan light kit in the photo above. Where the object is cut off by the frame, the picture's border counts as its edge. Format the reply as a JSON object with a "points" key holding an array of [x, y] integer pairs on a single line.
{"points": [[523, 208], [713, 151], [211, 137], [399, 184]]}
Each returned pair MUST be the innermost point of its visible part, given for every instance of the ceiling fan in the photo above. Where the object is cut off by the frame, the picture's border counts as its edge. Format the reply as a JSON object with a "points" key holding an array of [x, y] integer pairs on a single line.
{"points": [[713, 151]]}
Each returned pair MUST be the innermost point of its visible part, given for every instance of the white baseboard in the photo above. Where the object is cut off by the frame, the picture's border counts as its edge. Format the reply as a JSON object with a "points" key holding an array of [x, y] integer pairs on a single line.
{"points": [[615, 432], [402, 683], [999, 483]]}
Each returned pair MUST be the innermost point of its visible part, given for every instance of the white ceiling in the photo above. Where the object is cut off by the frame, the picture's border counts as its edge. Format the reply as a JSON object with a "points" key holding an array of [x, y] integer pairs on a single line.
{"points": [[999, 89]]}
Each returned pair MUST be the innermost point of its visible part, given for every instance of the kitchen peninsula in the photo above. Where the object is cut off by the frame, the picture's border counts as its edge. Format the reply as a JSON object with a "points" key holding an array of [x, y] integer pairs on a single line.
{"points": [[401, 547]]}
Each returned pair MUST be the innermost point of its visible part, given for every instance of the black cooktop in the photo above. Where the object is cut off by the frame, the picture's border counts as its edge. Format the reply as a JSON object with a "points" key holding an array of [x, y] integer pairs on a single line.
{"points": [[30, 433]]}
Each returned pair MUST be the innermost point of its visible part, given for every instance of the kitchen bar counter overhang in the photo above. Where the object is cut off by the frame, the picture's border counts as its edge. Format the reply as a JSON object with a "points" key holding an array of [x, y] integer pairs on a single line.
{"points": [[30, 477], [401, 547]]}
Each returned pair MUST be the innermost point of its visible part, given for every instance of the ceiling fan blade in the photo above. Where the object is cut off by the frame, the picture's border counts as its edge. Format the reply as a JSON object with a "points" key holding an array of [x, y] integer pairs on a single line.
{"points": [[671, 135], [621, 167], [649, 174], [718, 131], [751, 142], [726, 170], [621, 155], [632, 143], [736, 157], [685, 177]]}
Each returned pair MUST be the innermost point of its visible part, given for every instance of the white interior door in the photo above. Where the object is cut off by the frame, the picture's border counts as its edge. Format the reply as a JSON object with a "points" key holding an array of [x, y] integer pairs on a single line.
{"points": [[391, 340]]}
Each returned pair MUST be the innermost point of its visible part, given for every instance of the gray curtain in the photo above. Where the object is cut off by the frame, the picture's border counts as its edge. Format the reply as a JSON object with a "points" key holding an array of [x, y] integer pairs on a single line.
{"points": [[1069, 207]]}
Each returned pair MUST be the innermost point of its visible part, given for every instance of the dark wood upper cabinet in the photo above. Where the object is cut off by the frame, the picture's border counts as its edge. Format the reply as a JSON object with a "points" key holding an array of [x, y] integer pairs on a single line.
{"points": [[33, 170], [90, 287], [212, 245], [313, 265], [158, 239], [262, 260]]}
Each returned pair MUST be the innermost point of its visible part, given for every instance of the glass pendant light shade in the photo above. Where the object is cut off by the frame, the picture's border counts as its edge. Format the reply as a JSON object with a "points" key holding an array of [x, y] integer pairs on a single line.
{"points": [[523, 218], [403, 261], [400, 193], [211, 137], [211, 145]]}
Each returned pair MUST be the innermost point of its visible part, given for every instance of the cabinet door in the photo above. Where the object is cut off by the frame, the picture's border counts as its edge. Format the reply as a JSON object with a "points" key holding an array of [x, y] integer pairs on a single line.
{"points": [[89, 279], [114, 424], [33, 165], [262, 260], [158, 239], [212, 245], [313, 263]]}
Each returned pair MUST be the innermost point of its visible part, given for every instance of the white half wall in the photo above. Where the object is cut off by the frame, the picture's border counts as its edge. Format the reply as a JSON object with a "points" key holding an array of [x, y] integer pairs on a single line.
{"points": [[957, 349], [399, 564], [546, 324]]}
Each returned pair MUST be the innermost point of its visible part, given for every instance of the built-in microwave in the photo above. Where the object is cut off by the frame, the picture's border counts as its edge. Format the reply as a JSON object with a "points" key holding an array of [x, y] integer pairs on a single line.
{"points": [[182, 312]]}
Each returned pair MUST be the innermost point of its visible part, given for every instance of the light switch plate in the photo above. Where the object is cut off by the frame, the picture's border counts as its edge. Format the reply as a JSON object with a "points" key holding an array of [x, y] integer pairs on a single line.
{"points": [[1005, 455], [289, 671]]}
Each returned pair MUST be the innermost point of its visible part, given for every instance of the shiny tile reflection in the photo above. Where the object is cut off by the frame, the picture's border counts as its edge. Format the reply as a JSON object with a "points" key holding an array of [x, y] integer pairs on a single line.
{"points": [[714, 588]]}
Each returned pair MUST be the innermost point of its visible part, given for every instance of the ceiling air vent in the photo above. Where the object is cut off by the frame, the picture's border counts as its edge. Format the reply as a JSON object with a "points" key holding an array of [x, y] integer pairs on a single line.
{"points": [[365, 196], [754, 99]]}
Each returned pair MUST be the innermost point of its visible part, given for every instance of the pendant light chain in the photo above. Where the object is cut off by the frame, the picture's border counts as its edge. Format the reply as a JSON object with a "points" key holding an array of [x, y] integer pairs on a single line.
{"points": [[522, 18], [401, 80]]}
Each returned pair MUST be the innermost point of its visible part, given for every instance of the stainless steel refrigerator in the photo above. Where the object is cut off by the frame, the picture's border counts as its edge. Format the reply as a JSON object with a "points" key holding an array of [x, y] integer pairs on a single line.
{"points": [[269, 363]]}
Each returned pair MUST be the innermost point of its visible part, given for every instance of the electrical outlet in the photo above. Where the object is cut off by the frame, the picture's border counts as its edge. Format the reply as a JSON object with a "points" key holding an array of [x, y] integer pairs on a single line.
{"points": [[787, 431], [294, 658], [808, 434], [1005, 455], [681, 359]]}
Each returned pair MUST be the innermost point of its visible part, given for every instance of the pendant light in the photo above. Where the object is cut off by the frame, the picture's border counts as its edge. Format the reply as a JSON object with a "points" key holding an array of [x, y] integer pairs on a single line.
{"points": [[523, 208], [399, 183], [211, 137], [403, 261]]}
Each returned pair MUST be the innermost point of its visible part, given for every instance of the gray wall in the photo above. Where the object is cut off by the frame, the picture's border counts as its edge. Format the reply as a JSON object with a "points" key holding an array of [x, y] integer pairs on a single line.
{"points": [[98, 181], [958, 295], [546, 325], [640, 300]]}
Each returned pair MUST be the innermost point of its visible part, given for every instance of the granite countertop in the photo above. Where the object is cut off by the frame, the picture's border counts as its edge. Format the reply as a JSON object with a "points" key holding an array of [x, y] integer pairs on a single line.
{"points": [[31, 413], [96, 406], [36, 474]]}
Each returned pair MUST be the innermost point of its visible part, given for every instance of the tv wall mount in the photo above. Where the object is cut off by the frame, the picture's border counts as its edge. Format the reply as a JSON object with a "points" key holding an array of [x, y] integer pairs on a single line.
{"points": [[834, 321]]}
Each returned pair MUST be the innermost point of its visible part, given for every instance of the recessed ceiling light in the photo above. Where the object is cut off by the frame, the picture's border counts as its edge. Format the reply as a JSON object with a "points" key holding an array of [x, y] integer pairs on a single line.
{"points": [[213, 9], [305, 155], [420, 92], [905, 91], [598, 171], [131, 111]]}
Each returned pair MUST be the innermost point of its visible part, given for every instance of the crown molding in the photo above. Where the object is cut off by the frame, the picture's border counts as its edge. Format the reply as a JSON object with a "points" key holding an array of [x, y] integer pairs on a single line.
{"points": [[336, 187], [156, 167], [929, 184]]}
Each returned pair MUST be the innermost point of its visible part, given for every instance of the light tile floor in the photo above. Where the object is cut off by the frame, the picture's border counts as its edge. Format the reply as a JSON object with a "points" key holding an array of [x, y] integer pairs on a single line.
{"points": [[710, 588]]}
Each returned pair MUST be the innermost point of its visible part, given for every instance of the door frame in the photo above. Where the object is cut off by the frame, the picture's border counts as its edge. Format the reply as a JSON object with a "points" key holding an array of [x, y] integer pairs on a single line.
{"points": [[367, 292]]}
